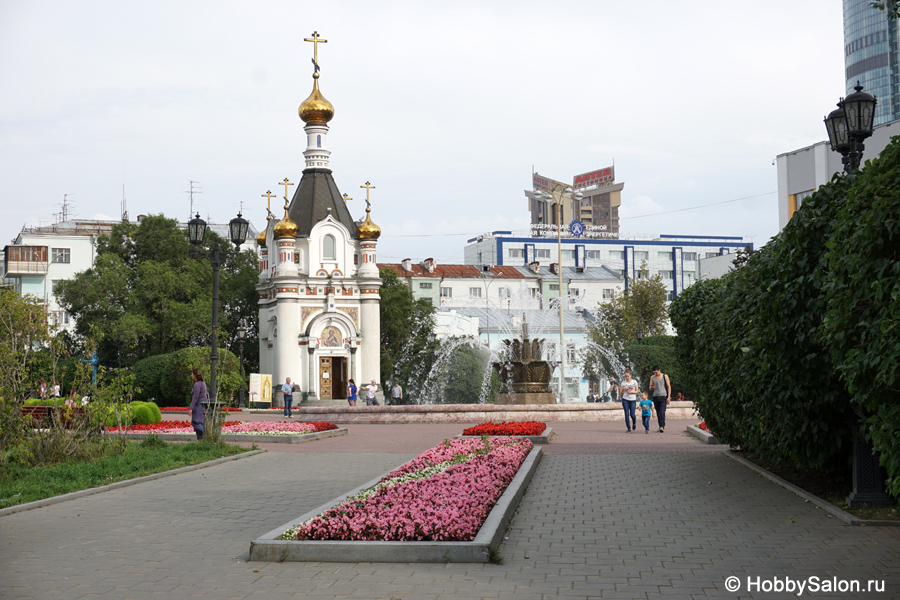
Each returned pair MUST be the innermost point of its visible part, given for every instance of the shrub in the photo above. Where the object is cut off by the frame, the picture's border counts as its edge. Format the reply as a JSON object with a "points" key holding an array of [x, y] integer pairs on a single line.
{"points": [[176, 384], [140, 413], [149, 373]]}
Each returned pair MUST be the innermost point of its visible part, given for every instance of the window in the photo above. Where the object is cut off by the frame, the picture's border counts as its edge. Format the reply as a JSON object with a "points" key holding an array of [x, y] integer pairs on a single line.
{"points": [[538, 253], [570, 353], [517, 252], [53, 285], [664, 255], [504, 292], [690, 256], [568, 254], [609, 294], [328, 247], [711, 254], [617, 254], [592, 254], [62, 255], [641, 256], [428, 300], [554, 287], [426, 285], [534, 292], [356, 259], [574, 292], [799, 198], [670, 295], [446, 292], [474, 292], [666, 274]]}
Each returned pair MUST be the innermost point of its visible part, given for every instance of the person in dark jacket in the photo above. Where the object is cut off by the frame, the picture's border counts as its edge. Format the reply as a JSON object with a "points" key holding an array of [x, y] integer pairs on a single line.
{"points": [[198, 395]]}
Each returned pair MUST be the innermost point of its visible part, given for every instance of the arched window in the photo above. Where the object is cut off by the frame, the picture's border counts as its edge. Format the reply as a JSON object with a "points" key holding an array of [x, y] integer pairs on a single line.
{"points": [[328, 251], [318, 141]]}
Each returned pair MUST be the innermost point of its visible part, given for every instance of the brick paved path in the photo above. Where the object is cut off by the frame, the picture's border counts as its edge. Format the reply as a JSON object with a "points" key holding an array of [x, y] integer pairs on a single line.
{"points": [[609, 515]]}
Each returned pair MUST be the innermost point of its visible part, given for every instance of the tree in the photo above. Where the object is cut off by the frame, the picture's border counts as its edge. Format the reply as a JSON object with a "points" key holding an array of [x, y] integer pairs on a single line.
{"points": [[405, 326], [146, 295], [890, 6], [742, 256], [640, 310], [24, 334]]}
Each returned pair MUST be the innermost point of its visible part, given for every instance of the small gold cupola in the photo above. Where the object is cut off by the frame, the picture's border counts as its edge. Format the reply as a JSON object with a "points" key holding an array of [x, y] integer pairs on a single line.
{"points": [[316, 109], [286, 228], [367, 230]]}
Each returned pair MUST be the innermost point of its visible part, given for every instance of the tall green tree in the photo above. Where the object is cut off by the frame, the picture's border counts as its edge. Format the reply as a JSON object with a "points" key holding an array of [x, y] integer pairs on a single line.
{"points": [[641, 311], [24, 338], [146, 294], [405, 326]]}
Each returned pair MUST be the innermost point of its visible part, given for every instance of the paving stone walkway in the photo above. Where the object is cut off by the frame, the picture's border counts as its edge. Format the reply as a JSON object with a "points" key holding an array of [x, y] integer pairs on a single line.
{"points": [[609, 515]]}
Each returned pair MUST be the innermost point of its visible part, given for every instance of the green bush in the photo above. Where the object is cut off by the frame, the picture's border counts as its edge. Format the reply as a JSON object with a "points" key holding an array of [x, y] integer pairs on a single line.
{"points": [[862, 326], [140, 413], [45, 402], [149, 373], [763, 377]]}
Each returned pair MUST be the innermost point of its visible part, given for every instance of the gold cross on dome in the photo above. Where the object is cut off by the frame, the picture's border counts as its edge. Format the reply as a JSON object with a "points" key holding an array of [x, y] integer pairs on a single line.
{"points": [[316, 40], [346, 197], [285, 183], [368, 187], [268, 196]]}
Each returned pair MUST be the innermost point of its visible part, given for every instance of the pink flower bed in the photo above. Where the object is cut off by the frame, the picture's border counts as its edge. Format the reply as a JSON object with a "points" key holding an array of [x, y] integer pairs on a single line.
{"points": [[445, 494], [249, 427]]}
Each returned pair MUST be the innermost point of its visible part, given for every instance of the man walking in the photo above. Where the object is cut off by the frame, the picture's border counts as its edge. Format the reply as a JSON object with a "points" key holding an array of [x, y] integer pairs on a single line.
{"points": [[371, 390], [287, 390], [661, 389], [396, 394]]}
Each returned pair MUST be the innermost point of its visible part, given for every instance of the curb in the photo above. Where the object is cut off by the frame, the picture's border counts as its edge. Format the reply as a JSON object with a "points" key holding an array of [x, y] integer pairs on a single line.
{"points": [[245, 437], [704, 436], [544, 438], [268, 548], [819, 502], [121, 484]]}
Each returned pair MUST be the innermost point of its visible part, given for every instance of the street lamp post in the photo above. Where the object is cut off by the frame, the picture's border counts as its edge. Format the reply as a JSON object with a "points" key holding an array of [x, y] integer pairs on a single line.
{"points": [[557, 198], [237, 229], [849, 125], [241, 338], [485, 270]]}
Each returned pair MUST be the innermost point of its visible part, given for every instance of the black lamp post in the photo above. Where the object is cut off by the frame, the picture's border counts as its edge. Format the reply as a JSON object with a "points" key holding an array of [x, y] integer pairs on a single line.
{"points": [[241, 338], [237, 229], [849, 125]]}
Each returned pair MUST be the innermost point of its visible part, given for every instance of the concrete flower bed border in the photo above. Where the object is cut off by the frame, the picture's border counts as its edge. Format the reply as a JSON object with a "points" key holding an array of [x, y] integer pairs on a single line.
{"points": [[268, 548], [244, 437], [704, 436]]}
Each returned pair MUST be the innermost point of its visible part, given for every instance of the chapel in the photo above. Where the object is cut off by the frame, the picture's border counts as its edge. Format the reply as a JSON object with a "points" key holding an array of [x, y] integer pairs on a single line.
{"points": [[318, 287]]}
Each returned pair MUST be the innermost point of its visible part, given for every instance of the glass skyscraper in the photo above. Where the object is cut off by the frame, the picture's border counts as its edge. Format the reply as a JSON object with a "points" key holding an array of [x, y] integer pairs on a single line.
{"points": [[871, 56]]}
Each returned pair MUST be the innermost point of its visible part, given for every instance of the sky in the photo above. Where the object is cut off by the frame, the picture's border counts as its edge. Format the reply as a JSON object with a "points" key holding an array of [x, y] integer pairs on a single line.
{"points": [[445, 107]]}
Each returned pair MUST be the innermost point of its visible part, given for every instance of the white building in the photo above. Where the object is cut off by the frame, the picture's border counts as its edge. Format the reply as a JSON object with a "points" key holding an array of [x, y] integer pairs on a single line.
{"points": [[675, 258], [318, 283], [40, 257]]}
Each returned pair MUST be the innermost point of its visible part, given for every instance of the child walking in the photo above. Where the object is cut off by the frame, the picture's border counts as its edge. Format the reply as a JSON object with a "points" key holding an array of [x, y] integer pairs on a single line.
{"points": [[646, 407]]}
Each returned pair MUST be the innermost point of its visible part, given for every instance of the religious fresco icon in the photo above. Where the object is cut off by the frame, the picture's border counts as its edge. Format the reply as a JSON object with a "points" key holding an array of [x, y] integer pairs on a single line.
{"points": [[331, 337]]}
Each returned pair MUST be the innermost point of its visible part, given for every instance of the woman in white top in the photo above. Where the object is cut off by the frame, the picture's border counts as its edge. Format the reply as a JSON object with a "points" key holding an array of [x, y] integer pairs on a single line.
{"points": [[630, 390]]}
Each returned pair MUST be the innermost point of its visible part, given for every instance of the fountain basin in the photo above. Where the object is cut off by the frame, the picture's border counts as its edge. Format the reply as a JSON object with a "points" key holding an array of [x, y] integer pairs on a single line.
{"points": [[478, 413]]}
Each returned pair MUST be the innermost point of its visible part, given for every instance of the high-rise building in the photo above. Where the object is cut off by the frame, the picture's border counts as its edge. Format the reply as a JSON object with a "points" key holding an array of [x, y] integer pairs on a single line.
{"points": [[872, 57]]}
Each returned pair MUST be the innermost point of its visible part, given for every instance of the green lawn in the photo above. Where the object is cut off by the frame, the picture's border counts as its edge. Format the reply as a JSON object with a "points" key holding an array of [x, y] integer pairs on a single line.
{"points": [[19, 485]]}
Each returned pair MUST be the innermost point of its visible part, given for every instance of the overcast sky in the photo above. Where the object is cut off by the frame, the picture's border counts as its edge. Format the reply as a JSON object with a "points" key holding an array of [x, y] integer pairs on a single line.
{"points": [[444, 106]]}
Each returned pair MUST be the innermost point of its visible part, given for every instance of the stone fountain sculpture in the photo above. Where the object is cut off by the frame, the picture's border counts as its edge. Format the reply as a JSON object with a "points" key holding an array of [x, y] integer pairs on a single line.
{"points": [[524, 374]]}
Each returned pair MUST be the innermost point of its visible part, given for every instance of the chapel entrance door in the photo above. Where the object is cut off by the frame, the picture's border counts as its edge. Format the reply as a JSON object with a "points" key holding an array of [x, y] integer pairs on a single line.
{"points": [[325, 377], [339, 378]]}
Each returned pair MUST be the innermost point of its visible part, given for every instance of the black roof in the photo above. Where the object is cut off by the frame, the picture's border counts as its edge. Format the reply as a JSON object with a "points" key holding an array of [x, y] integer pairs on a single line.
{"points": [[317, 193]]}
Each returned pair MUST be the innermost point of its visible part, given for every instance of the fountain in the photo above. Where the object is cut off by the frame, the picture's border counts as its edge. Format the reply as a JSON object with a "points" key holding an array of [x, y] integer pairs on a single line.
{"points": [[524, 374]]}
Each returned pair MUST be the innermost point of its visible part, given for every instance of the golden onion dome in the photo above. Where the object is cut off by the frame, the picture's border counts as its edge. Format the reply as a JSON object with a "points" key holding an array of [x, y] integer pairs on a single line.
{"points": [[316, 109], [261, 238], [286, 228], [367, 230]]}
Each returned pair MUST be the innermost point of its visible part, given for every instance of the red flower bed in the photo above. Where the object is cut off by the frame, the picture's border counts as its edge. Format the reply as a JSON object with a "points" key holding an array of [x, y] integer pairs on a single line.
{"points": [[233, 427], [512, 428], [703, 426]]}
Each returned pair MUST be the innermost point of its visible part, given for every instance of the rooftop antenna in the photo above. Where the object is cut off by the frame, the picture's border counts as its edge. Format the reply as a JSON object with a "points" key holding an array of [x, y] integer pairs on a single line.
{"points": [[63, 215], [193, 191]]}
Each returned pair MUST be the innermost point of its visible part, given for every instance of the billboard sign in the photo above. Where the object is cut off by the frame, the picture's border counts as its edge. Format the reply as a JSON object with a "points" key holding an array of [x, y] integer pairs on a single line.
{"points": [[604, 176]]}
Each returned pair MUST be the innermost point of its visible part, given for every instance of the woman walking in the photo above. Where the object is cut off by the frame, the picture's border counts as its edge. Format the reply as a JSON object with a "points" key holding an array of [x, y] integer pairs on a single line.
{"points": [[630, 391], [198, 395]]}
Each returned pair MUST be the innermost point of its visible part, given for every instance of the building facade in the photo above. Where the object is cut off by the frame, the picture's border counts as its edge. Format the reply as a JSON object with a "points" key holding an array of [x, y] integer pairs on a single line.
{"points": [[675, 258], [872, 56], [318, 283], [597, 209]]}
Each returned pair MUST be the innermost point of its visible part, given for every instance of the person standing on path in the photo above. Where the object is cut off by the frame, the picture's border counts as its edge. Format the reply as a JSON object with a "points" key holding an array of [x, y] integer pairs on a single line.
{"points": [[42, 389], [287, 390], [630, 391], [198, 395], [351, 393], [396, 394], [371, 390], [613, 390], [662, 395], [55, 390]]}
